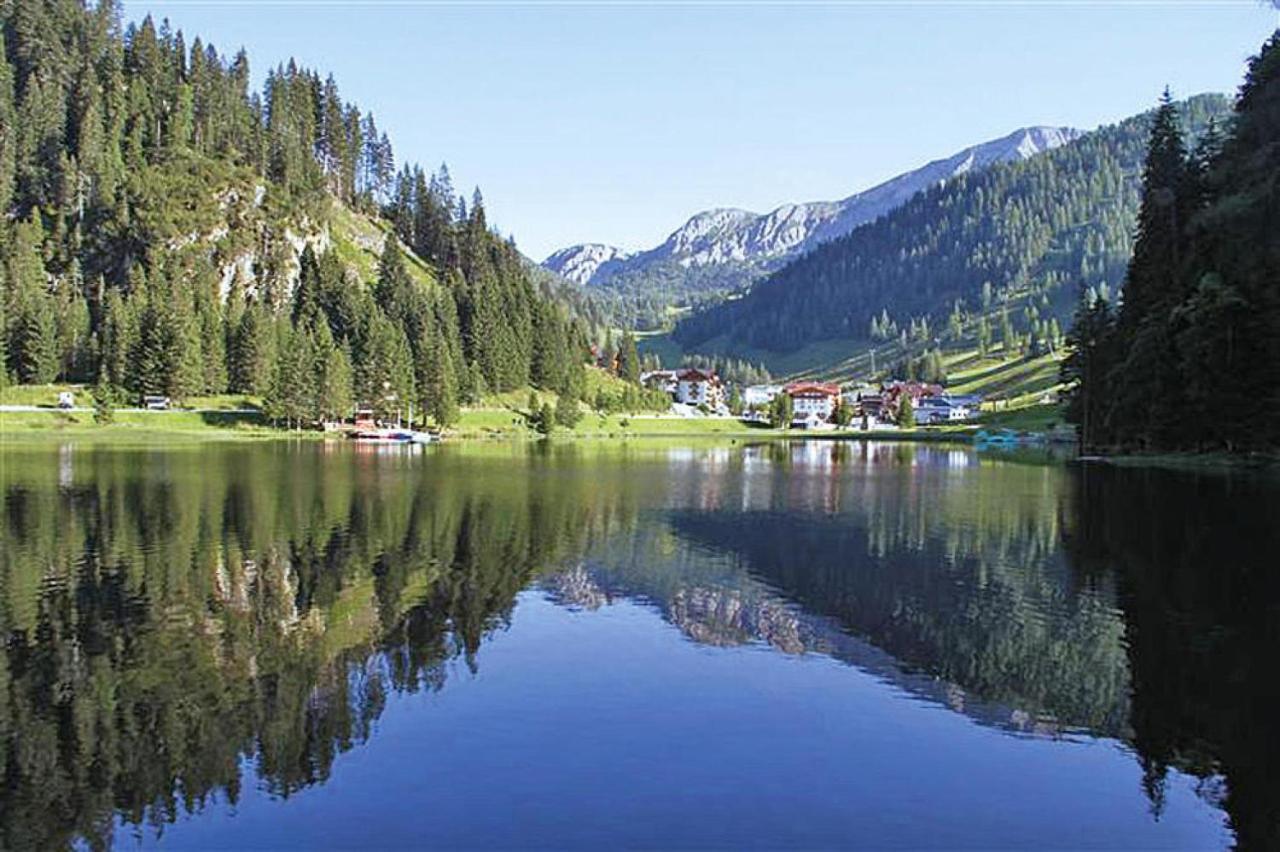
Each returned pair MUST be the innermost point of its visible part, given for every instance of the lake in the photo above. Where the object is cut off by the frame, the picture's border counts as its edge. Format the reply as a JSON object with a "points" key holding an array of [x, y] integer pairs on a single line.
{"points": [[790, 644]]}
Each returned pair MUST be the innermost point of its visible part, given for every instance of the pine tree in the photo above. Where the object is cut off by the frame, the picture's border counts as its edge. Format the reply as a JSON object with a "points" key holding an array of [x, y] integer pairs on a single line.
{"points": [[213, 364], [566, 412], [1147, 386], [444, 395], [1086, 371], [288, 394], [8, 141], [34, 341], [781, 411], [544, 419], [251, 354], [906, 414], [629, 359]]}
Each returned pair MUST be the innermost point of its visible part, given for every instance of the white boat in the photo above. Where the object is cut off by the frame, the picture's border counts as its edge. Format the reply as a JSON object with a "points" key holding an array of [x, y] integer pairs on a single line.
{"points": [[393, 436]]}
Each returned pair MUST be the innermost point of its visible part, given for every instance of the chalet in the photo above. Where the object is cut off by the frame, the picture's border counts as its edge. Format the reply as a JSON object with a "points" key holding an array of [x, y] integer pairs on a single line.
{"points": [[868, 404], [916, 390], [818, 399], [699, 387], [662, 380]]}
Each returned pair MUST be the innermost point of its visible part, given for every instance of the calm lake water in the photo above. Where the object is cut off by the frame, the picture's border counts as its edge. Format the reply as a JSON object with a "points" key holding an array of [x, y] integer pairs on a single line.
{"points": [[802, 645]]}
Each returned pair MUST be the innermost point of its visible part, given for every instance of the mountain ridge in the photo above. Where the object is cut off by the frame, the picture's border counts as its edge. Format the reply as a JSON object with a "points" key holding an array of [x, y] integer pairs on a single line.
{"points": [[948, 265], [727, 236]]}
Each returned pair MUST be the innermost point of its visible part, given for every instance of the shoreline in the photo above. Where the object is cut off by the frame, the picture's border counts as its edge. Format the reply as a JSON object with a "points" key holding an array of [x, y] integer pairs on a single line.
{"points": [[186, 427]]}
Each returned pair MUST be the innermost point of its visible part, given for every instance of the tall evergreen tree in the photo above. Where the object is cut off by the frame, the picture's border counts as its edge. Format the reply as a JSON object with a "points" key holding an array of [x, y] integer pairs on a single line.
{"points": [[1086, 370]]}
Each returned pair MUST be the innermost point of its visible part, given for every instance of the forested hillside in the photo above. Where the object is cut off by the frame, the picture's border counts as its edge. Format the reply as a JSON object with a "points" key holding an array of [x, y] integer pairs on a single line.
{"points": [[1191, 360], [168, 230], [937, 266]]}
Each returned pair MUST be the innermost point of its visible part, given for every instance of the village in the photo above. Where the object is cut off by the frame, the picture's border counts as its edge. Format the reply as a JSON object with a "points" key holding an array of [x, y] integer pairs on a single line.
{"points": [[813, 405]]}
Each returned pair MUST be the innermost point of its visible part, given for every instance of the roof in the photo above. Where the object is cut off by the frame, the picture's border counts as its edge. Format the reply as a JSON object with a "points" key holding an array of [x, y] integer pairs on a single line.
{"points": [[693, 374], [812, 389], [916, 389]]}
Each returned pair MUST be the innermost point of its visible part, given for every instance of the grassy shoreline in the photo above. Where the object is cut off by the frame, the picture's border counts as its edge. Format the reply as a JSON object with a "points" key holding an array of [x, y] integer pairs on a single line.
{"points": [[474, 425], [509, 425]]}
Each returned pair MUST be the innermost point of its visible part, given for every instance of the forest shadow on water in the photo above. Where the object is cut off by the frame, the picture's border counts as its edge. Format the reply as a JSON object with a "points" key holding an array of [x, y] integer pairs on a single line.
{"points": [[952, 648]]}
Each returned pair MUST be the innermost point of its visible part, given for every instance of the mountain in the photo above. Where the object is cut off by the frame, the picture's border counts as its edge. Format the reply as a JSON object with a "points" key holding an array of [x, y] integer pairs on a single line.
{"points": [[581, 262], [1029, 228], [729, 247]]}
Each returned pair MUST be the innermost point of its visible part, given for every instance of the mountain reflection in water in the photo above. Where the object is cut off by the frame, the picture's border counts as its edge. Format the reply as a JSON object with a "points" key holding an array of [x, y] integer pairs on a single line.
{"points": [[180, 624]]}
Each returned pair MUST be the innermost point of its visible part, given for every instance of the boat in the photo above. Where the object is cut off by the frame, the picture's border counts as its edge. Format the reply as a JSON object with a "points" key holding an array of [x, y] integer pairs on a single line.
{"points": [[393, 436], [368, 430]]}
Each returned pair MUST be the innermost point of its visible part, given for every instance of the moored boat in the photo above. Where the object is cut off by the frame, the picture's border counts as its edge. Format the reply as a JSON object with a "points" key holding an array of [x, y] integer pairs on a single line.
{"points": [[393, 436]]}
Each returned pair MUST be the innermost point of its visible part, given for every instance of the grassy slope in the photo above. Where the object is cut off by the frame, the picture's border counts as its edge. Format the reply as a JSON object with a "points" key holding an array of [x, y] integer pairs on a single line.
{"points": [[134, 426]]}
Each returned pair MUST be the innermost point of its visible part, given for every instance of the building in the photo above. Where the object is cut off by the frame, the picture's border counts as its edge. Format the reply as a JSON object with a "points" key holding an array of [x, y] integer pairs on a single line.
{"points": [[939, 409], [699, 387], [760, 395], [814, 400], [663, 380]]}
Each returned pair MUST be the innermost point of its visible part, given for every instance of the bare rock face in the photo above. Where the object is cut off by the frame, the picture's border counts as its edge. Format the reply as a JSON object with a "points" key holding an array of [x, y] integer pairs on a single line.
{"points": [[580, 263]]}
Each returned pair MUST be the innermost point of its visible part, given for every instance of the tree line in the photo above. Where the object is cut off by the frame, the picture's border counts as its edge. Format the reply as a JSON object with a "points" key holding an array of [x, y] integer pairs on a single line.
{"points": [[1190, 358]]}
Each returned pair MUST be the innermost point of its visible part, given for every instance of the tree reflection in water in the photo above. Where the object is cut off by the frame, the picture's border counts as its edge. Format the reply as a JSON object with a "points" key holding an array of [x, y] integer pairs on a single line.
{"points": [[171, 615]]}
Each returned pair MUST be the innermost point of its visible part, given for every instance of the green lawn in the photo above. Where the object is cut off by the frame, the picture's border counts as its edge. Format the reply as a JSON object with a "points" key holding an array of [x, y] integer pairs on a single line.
{"points": [[140, 426], [46, 395], [1028, 418]]}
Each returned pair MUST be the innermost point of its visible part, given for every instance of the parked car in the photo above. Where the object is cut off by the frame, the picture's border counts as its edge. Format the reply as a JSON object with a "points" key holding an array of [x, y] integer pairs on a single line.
{"points": [[155, 403], [66, 399]]}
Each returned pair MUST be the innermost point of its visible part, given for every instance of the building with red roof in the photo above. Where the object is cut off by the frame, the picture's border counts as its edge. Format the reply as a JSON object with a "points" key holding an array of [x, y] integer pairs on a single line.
{"points": [[813, 400]]}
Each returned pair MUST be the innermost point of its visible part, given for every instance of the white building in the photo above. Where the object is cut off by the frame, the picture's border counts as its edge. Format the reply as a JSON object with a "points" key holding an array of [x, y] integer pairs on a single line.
{"points": [[699, 387], [761, 395], [935, 409], [814, 400]]}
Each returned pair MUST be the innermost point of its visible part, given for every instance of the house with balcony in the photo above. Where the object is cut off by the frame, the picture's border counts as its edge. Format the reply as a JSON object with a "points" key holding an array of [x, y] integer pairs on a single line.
{"points": [[699, 387], [814, 401]]}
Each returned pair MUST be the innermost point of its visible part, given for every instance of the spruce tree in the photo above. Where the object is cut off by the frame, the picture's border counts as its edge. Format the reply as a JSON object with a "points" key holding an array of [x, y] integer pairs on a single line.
{"points": [[1086, 371], [629, 359], [566, 412], [34, 341], [1145, 392]]}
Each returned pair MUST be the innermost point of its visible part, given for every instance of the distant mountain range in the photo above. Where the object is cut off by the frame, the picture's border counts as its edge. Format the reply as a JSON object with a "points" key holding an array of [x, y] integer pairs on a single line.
{"points": [[745, 244], [1026, 233]]}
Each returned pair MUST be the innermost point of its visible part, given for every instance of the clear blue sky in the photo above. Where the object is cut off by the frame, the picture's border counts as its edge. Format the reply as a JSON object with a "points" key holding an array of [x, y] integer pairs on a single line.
{"points": [[614, 123]]}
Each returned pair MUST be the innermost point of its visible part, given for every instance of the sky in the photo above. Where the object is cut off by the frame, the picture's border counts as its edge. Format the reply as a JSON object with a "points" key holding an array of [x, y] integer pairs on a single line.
{"points": [[613, 123]]}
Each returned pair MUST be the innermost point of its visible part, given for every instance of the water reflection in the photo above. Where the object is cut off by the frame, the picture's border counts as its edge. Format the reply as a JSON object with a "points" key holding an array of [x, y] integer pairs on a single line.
{"points": [[171, 615]]}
